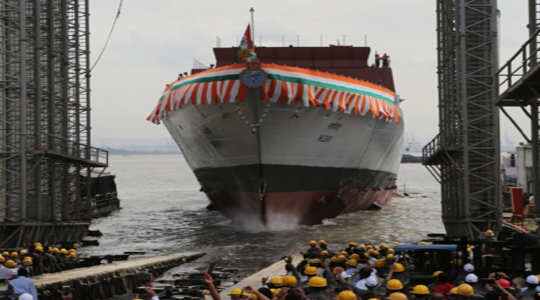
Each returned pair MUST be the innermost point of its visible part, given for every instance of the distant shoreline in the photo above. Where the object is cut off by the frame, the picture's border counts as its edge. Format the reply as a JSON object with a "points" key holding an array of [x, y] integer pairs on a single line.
{"points": [[405, 159]]}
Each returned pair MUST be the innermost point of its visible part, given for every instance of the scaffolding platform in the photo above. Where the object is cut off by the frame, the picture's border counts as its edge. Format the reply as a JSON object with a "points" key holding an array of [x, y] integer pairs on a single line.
{"points": [[106, 281], [520, 76]]}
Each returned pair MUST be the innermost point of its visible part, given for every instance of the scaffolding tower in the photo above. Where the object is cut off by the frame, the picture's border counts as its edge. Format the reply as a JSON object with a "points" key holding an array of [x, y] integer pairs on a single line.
{"points": [[464, 156], [45, 147], [520, 88]]}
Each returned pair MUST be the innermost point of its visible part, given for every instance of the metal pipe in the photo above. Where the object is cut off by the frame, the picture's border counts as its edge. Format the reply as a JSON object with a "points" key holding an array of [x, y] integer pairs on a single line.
{"points": [[536, 157], [37, 105], [23, 106]]}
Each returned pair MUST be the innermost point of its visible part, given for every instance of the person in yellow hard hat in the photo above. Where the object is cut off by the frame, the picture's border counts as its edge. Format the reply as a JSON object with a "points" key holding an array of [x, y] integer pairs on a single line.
{"points": [[350, 268], [397, 296], [323, 245], [309, 271], [398, 271], [276, 282], [290, 281], [465, 290], [318, 288], [346, 295], [420, 291], [10, 264], [314, 251], [351, 247], [394, 285]]}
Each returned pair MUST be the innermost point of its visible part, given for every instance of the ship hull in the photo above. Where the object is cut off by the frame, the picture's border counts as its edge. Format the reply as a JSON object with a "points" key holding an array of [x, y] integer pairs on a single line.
{"points": [[298, 194], [276, 163]]}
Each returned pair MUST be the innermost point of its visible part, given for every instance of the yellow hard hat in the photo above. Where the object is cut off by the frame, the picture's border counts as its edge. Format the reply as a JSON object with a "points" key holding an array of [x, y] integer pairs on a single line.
{"points": [[465, 290], [380, 263], [14, 254], [72, 251], [5, 253], [64, 251], [275, 291], [454, 291], [397, 296], [398, 268], [2, 259], [394, 285], [72, 254], [420, 289], [437, 273], [324, 253], [344, 253], [354, 256], [352, 263], [347, 295], [317, 281], [27, 261], [10, 264], [310, 270], [313, 243], [277, 281], [390, 251], [341, 258], [290, 281], [323, 242], [390, 257], [39, 249], [373, 253], [236, 292]]}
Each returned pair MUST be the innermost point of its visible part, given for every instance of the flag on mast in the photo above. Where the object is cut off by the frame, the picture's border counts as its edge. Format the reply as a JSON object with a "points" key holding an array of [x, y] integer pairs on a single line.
{"points": [[247, 47]]}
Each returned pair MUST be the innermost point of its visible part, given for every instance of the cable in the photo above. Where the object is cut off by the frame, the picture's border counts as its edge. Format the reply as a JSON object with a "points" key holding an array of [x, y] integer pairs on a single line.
{"points": [[109, 36]]}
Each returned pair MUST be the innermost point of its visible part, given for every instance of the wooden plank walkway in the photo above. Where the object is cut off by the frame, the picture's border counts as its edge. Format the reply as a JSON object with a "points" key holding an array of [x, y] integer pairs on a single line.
{"points": [[255, 280], [171, 261]]}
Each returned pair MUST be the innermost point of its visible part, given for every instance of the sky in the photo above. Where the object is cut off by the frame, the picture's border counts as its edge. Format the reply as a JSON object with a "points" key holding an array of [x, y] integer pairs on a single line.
{"points": [[155, 40]]}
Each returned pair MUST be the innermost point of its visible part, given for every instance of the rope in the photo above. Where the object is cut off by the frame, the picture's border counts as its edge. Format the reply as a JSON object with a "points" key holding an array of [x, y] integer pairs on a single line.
{"points": [[109, 36]]}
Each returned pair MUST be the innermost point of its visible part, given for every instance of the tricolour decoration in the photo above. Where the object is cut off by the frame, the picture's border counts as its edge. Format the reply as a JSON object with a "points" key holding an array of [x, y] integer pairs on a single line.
{"points": [[285, 85]]}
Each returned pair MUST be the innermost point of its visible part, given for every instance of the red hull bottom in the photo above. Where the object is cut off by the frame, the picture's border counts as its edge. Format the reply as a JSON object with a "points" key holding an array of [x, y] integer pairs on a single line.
{"points": [[283, 209]]}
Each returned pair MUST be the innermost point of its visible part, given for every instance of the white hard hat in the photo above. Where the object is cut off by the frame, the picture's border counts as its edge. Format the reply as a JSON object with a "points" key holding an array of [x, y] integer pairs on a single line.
{"points": [[532, 279], [26, 296], [468, 268], [372, 281], [471, 278]]}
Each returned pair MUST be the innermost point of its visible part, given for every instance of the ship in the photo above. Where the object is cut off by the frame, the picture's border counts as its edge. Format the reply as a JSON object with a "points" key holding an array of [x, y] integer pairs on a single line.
{"points": [[296, 136]]}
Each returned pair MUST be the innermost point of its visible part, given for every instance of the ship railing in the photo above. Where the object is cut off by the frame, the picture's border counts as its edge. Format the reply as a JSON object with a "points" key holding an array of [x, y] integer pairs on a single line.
{"points": [[520, 64]]}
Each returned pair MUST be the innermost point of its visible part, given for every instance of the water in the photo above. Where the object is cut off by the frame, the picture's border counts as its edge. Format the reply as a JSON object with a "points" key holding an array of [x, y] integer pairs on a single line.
{"points": [[163, 212]]}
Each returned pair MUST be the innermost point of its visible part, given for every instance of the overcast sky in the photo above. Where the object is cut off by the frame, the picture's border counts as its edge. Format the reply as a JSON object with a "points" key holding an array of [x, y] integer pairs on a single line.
{"points": [[155, 40]]}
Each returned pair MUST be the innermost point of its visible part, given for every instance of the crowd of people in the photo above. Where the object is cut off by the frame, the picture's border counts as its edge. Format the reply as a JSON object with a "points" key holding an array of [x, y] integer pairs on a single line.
{"points": [[17, 266], [377, 272]]}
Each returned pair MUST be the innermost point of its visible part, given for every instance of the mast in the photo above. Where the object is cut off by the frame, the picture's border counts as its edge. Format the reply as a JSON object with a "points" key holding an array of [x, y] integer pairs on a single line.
{"points": [[252, 12]]}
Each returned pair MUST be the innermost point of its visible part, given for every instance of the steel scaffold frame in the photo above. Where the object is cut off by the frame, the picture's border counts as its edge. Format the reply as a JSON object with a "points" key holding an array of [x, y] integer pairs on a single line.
{"points": [[45, 149], [520, 87], [464, 157]]}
